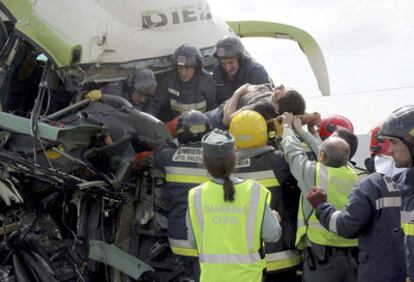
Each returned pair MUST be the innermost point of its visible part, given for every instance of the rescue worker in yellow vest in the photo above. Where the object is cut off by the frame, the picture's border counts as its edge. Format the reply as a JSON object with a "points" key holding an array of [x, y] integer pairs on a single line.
{"points": [[258, 161], [183, 170], [228, 218], [327, 256]]}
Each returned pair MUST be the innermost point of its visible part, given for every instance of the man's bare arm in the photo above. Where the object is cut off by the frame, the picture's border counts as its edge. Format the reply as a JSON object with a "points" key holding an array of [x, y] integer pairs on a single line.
{"points": [[230, 106]]}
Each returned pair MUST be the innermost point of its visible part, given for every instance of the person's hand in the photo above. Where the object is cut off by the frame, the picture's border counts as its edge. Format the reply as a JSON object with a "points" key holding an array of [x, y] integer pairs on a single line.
{"points": [[297, 125], [142, 159], [277, 215], [94, 95], [287, 118], [316, 196], [311, 118], [313, 130]]}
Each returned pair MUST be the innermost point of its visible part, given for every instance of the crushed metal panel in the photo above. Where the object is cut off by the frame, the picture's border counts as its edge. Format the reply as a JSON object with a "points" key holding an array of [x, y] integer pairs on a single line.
{"points": [[115, 257]]}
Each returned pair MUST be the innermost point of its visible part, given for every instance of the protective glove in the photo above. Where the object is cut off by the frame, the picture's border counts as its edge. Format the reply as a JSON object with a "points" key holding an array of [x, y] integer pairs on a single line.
{"points": [[94, 95], [316, 196], [142, 159], [172, 126]]}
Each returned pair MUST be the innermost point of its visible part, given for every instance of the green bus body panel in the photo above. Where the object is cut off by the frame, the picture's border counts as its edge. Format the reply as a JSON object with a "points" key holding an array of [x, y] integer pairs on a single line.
{"points": [[69, 135], [58, 48], [306, 42]]}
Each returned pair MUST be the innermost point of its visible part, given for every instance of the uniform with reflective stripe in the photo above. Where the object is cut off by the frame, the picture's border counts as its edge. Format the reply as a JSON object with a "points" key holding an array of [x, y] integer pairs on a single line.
{"points": [[228, 234], [266, 166], [183, 170], [336, 267], [337, 183], [372, 216], [406, 185], [175, 96]]}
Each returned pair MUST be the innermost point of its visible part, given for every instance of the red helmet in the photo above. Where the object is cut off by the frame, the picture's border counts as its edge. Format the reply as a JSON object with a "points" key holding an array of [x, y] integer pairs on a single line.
{"points": [[378, 145], [329, 124]]}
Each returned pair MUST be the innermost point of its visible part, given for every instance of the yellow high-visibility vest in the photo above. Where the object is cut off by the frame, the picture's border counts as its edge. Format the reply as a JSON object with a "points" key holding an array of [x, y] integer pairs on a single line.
{"points": [[338, 184], [228, 234]]}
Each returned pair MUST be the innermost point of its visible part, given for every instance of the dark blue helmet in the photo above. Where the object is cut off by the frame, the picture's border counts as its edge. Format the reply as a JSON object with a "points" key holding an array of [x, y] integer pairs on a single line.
{"points": [[191, 126]]}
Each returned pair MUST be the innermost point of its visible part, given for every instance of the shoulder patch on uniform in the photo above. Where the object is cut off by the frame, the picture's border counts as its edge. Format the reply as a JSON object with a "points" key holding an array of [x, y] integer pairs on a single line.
{"points": [[390, 184]]}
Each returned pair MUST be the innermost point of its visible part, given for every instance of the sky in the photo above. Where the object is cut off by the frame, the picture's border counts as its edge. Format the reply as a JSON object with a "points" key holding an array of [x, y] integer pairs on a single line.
{"points": [[368, 46]]}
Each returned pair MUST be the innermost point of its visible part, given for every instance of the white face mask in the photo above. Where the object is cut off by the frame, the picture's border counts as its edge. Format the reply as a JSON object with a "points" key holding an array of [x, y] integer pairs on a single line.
{"points": [[385, 165]]}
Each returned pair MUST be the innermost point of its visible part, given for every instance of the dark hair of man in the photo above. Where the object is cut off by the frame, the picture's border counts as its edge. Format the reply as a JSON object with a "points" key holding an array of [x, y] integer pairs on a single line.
{"points": [[222, 168], [264, 107], [292, 102], [267, 110], [336, 152], [349, 138]]}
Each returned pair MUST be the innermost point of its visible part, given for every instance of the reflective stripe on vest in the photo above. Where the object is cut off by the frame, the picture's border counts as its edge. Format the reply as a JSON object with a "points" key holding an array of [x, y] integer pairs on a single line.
{"points": [[282, 260], [230, 258], [250, 222], [180, 107], [267, 178], [338, 184], [186, 175], [182, 247], [407, 222]]}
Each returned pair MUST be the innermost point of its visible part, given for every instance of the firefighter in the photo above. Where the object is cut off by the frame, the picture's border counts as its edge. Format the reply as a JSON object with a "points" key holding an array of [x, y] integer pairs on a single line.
{"points": [[235, 68], [399, 129], [183, 170], [187, 87], [139, 87], [228, 217], [264, 164], [327, 256], [334, 125], [381, 160], [330, 124]]}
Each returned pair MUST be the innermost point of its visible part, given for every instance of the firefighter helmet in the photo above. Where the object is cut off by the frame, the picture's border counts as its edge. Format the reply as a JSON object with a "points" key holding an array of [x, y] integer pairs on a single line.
{"points": [[378, 145], [229, 47], [249, 129], [400, 123], [143, 81], [329, 124], [187, 55], [191, 126]]}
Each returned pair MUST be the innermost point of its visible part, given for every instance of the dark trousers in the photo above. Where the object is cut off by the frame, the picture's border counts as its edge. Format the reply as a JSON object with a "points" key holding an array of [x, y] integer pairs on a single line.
{"points": [[323, 263], [283, 276]]}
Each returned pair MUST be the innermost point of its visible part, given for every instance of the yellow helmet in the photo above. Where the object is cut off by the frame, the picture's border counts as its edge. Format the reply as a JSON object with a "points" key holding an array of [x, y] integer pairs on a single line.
{"points": [[249, 129]]}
